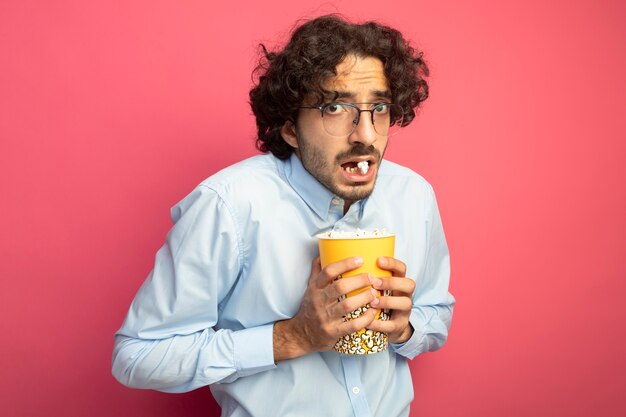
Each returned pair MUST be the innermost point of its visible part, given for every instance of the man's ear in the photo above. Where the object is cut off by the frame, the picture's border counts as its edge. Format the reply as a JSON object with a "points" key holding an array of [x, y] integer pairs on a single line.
{"points": [[288, 132]]}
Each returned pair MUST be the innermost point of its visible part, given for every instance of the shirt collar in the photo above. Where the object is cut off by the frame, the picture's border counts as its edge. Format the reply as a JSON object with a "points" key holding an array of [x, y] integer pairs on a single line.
{"points": [[314, 194]]}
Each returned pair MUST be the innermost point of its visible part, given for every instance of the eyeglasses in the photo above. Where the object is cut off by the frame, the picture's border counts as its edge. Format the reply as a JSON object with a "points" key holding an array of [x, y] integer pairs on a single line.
{"points": [[341, 119]]}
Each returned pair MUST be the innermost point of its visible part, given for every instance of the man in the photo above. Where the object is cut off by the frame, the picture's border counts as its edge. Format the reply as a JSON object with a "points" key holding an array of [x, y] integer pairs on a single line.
{"points": [[237, 298]]}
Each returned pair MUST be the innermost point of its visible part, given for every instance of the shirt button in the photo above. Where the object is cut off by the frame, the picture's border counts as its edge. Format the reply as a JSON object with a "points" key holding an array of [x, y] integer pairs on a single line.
{"points": [[356, 390], [335, 201]]}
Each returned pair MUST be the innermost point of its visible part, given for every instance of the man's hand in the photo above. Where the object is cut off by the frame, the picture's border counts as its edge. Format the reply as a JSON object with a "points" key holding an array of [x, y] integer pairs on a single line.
{"points": [[400, 301], [319, 323]]}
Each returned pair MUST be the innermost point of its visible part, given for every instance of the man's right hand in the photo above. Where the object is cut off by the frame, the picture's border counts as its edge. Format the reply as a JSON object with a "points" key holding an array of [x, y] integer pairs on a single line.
{"points": [[319, 323]]}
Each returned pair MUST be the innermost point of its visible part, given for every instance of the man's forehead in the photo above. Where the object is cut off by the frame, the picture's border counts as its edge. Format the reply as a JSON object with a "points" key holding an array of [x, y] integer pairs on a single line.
{"points": [[357, 72]]}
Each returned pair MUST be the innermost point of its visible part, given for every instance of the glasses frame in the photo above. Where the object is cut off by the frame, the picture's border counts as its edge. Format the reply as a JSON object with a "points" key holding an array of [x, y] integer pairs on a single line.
{"points": [[359, 110]]}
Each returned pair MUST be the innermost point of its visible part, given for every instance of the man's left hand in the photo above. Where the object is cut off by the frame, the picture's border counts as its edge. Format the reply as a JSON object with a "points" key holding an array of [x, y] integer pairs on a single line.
{"points": [[400, 301]]}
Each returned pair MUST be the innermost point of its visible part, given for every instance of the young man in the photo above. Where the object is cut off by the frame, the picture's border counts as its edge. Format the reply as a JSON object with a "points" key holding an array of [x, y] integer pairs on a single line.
{"points": [[237, 298]]}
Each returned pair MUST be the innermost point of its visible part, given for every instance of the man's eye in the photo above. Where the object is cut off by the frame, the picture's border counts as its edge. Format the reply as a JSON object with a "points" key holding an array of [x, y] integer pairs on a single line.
{"points": [[382, 108], [334, 108]]}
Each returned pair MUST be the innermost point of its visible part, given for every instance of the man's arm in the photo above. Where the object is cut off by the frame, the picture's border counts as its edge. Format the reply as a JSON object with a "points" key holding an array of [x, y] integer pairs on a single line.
{"points": [[182, 363], [421, 308], [169, 341], [433, 305]]}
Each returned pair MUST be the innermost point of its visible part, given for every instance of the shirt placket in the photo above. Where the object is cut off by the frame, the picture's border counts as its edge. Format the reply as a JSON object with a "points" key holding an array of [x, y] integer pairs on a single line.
{"points": [[354, 385], [351, 372]]}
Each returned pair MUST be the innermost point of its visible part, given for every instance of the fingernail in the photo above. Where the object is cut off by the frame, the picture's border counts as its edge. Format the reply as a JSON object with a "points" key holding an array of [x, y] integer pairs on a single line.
{"points": [[375, 302], [382, 261], [377, 283], [371, 278], [358, 260]]}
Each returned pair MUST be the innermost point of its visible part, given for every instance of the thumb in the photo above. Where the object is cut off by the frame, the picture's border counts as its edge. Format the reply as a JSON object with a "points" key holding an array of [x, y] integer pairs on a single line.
{"points": [[316, 268]]}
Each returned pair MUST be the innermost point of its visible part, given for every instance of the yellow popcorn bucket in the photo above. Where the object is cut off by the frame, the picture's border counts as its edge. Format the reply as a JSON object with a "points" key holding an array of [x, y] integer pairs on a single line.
{"points": [[369, 248]]}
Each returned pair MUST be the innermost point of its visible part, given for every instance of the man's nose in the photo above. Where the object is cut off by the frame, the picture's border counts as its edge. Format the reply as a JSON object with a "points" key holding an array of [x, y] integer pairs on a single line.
{"points": [[364, 132]]}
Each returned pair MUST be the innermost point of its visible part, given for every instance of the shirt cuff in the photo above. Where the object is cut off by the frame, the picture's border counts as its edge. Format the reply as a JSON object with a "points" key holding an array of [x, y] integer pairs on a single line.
{"points": [[414, 346], [254, 349]]}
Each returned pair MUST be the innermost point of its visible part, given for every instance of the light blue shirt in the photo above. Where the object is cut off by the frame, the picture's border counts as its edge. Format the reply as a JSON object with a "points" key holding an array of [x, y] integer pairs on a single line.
{"points": [[238, 259]]}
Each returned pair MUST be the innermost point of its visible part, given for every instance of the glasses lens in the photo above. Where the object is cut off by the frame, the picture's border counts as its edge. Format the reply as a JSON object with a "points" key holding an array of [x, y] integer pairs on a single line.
{"points": [[387, 119], [339, 119]]}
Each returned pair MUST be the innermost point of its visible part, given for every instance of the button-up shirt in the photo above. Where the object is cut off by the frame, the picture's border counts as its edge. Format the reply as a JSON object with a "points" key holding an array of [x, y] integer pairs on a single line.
{"points": [[238, 259]]}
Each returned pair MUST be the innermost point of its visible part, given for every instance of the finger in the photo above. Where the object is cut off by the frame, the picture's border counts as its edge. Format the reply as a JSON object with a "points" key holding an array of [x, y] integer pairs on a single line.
{"points": [[397, 267], [346, 285], [395, 284], [350, 304], [359, 323], [393, 303], [331, 271], [388, 326]]}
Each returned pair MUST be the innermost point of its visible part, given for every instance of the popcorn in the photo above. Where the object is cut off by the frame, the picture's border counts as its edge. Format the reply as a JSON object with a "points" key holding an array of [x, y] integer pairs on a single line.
{"points": [[358, 233]]}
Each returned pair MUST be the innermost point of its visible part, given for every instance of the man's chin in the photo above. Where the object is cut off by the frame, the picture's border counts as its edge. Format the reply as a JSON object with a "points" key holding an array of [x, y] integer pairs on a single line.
{"points": [[356, 191]]}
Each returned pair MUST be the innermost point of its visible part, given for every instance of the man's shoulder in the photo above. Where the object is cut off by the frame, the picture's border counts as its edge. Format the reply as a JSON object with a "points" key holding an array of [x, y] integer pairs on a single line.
{"points": [[243, 183], [250, 172], [391, 172]]}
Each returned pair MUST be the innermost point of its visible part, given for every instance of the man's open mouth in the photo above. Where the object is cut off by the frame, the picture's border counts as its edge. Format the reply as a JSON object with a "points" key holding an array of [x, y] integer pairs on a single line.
{"points": [[354, 167]]}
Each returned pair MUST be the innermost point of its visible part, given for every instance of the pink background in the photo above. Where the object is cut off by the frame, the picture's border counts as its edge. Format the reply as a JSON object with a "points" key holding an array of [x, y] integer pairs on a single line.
{"points": [[111, 112]]}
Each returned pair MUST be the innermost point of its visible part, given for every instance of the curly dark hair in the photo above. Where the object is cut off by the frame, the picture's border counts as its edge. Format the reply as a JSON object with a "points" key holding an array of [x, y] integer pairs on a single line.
{"points": [[311, 56]]}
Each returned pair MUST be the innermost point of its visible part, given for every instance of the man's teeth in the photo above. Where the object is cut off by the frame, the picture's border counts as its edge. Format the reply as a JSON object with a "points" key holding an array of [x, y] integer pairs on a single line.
{"points": [[362, 167]]}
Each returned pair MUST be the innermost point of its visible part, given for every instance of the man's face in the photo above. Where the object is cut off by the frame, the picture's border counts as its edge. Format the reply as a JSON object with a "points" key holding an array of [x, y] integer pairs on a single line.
{"points": [[333, 160]]}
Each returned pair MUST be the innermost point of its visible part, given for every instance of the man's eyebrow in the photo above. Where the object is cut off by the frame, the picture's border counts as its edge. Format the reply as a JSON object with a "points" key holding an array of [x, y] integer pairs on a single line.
{"points": [[382, 93], [375, 93], [344, 94]]}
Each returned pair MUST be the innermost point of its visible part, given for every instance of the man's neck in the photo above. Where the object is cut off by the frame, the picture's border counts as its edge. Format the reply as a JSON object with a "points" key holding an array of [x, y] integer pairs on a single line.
{"points": [[346, 205]]}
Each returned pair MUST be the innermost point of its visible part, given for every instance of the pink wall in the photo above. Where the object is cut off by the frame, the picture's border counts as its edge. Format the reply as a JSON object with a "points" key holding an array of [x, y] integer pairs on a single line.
{"points": [[110, 113]]}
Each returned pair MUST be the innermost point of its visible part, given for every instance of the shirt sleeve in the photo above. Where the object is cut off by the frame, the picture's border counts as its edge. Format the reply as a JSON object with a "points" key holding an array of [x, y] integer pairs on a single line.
{"points": [[433, 305], [170, 340]]}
